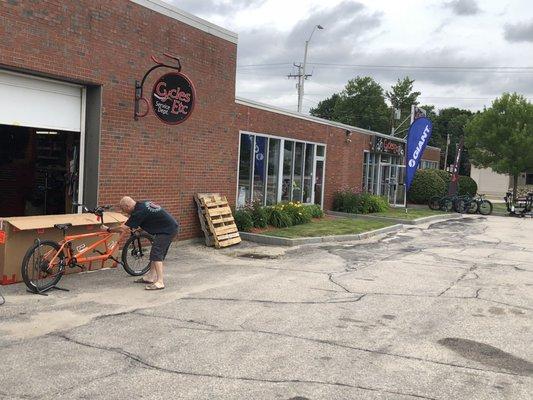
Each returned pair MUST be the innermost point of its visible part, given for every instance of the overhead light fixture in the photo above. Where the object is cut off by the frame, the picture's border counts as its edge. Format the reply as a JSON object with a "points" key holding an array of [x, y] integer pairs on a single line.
{"points": [[46, 133]]}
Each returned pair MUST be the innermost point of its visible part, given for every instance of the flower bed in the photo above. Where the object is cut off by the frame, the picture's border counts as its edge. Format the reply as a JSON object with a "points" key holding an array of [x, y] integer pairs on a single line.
{"points": [[281, 215]]}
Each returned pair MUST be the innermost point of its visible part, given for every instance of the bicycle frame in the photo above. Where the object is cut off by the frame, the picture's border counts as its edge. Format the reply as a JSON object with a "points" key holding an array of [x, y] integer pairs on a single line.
{"points": [[81, 255]]}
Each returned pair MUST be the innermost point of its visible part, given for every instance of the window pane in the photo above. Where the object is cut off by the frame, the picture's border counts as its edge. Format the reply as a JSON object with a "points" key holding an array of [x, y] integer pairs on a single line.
{"points": [[298, 172], [318, 182], [320, 151], [245, 170], [308, 174], [259, 169], [273, 171], [365, 171], [287, 171]]}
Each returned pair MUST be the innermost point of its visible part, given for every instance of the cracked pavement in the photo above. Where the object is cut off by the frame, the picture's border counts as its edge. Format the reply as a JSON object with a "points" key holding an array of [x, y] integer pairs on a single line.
{"points": [[442, 311]]}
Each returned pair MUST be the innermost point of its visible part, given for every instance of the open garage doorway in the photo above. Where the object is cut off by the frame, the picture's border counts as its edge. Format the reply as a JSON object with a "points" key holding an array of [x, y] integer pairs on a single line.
{"points": [[39, 171]]}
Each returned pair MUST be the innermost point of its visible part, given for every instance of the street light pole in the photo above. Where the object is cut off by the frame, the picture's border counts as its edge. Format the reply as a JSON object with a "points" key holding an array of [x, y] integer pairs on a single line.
{"points": [[302, 76]]}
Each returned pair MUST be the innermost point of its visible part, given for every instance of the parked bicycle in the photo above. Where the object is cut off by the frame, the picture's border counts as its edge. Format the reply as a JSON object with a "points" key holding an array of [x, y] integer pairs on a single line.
{"points": [[474, 204], [46, 260], [521, 207], [445, 203]]}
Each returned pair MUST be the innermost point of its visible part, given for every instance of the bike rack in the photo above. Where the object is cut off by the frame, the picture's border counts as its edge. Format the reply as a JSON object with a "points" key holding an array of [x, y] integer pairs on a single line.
{"points": [[139, 85]]}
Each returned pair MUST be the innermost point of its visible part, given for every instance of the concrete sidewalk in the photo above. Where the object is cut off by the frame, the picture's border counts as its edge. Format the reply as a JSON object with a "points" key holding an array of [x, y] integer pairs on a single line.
{"points": [[442, 311]]}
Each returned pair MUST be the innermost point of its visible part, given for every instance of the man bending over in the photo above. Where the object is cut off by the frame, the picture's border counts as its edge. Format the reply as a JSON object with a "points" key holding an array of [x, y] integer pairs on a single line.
{"points": [[153, 219]]}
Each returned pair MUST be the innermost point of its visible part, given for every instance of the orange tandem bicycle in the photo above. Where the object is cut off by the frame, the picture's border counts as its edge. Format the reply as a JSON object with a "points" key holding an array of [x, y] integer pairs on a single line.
{"points": [[45, 261]]}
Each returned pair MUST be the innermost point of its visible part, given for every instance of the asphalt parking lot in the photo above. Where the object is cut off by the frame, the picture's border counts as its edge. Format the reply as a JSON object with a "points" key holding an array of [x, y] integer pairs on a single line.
{"points": [[442, 311]]}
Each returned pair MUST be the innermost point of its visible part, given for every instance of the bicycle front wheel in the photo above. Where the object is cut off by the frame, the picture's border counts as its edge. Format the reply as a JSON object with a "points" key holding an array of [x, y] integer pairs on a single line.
{"points": [[485, 208], [446, 205], [38, 270], [460, 206], [136, 254]]}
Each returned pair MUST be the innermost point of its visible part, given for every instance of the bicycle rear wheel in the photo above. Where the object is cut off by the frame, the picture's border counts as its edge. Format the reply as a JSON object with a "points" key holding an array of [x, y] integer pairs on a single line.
{"points": [[460, 206], [433, 203], [472, 208], [36, 270], [136, 254], [485, 208]]}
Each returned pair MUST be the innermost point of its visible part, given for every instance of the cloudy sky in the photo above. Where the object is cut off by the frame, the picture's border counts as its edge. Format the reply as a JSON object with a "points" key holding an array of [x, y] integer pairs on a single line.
{"points": [[462, 53]]}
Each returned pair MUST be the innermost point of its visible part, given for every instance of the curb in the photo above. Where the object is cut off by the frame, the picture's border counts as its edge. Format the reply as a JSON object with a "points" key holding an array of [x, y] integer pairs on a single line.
{"points": [[417, 221], [277, 241]]}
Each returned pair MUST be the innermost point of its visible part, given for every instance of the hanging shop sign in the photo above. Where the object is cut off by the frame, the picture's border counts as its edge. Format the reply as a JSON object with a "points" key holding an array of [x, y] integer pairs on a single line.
{"points": [[173, 95], [384, 145], [173, 98]]}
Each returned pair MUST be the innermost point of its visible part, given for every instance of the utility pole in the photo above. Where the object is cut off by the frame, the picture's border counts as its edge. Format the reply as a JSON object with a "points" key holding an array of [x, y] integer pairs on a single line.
{"points": [[301, 76], [446, 154]]}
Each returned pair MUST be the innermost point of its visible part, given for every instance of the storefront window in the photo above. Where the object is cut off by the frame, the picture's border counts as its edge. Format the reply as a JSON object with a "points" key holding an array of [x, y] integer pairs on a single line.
{"points": [[298, 172], [286, 186], [245, 169], [273, 170], [308, 172], [260, 158], [318, 181]]}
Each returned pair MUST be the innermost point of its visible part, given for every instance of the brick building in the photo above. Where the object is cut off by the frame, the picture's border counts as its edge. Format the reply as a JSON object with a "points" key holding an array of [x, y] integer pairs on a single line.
{"points": [[67, 132]]}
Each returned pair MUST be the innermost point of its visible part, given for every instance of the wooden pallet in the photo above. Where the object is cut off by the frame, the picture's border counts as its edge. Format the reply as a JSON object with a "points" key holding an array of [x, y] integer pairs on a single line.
{"points": [[220, 220], [209, 239]]}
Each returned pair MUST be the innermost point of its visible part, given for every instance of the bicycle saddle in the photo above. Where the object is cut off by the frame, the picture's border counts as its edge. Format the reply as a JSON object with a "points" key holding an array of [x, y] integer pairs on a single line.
{"points": [[63, 227]]}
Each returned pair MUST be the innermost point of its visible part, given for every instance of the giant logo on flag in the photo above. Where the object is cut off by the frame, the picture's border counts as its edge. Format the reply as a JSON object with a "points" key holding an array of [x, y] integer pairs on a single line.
{"points": [[417, 140]]}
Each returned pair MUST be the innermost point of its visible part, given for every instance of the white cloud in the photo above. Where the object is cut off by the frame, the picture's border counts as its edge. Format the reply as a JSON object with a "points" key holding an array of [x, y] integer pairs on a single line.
{"points": [[272, 33]]}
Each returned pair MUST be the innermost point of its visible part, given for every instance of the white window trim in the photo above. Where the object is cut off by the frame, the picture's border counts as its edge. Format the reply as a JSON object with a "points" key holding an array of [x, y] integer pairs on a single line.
{"points": [[280, 161]]}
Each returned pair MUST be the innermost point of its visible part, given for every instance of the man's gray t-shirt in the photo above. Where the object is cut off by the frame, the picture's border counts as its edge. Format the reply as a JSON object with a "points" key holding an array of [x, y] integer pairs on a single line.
{"points": [[152, 218]]}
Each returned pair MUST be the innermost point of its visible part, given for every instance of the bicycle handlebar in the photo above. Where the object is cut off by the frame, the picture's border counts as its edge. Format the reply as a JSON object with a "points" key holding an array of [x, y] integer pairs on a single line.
{"points": [[98, 210]]}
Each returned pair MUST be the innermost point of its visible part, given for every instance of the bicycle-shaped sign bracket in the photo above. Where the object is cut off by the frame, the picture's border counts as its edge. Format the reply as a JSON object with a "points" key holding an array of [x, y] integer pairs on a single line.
{"points": [[139, 85]]}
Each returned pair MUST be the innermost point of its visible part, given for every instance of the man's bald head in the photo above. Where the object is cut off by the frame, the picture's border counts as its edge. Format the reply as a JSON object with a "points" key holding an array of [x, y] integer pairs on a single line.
{"points": [[127, 204]]}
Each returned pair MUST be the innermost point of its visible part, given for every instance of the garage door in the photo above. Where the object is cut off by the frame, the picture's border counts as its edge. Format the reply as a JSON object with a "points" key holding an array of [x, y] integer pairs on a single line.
{"points": [[39, 103]]}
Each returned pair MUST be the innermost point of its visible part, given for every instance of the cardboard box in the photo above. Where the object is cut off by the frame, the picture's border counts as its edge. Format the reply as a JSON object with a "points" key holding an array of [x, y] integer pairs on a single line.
{"points": [[17, 234]]}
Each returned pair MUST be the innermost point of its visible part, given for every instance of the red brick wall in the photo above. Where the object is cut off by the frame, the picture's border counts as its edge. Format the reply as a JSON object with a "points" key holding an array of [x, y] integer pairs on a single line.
{"points": [[431, 154], [109, 43]]}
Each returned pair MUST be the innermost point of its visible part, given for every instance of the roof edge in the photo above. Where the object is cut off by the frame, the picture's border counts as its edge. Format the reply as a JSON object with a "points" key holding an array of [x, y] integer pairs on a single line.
{"points": [[189, 19], [277, 110]]}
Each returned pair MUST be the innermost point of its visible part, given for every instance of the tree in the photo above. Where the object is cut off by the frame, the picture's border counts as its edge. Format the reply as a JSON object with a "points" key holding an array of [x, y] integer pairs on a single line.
{"points": [[452, 121], [402, 98], [325, 107], [362, 104], [501, 137]]}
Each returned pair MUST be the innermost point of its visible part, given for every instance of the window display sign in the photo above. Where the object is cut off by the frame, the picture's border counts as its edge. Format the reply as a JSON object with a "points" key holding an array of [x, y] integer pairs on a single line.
{"points": [[384, 145], [173, 98]]}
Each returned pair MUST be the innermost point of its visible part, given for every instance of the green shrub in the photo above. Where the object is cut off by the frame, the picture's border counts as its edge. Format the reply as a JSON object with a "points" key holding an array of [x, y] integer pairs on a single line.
{"points": [[359, 203], [379, 204], [426, 184], [259, 215], [243, 220], [315, 211], [278, 217], [298, 213], [445, 176], [467, 186], [345, 201]]}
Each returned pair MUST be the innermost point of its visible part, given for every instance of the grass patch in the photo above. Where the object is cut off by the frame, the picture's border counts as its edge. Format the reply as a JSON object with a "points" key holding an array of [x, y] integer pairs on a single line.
{"points": [[500, 208], [329, 227], [412, 213]]}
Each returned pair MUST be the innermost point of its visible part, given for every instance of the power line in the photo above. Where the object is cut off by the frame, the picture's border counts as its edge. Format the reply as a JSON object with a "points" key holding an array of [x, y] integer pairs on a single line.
{"points": [[458, 68]]}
